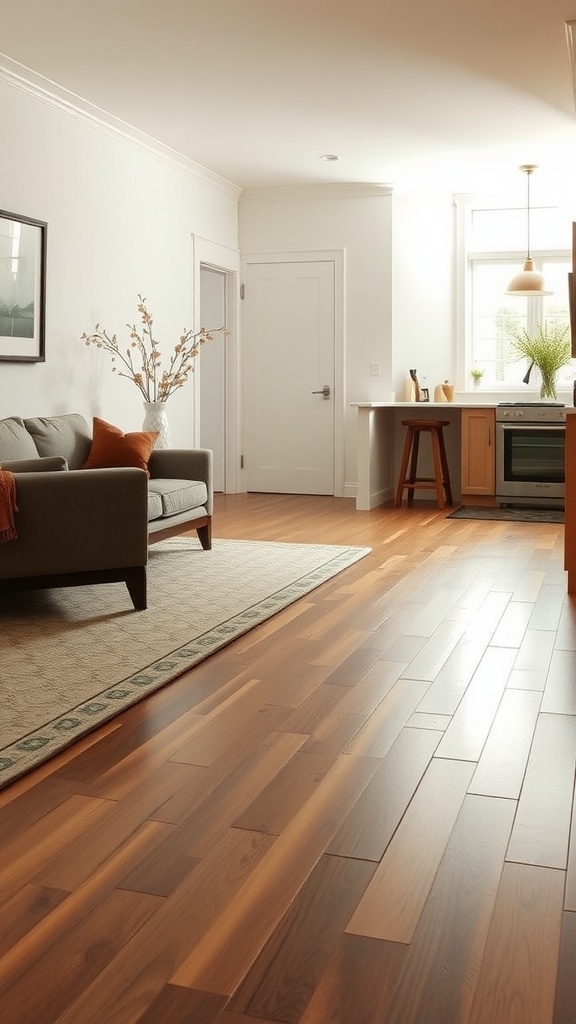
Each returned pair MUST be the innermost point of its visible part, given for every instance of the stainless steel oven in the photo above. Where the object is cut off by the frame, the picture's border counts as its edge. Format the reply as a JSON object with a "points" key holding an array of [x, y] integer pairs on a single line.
{"points": [[529, 448]]}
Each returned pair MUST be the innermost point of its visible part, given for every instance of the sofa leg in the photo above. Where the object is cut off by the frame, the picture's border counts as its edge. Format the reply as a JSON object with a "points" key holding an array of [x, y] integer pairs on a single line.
{"points": [[136, 583], [205, 535]]}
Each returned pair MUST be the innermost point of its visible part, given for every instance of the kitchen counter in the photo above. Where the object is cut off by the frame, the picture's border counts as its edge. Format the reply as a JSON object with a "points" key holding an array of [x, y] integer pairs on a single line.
{"points": [[380, 441], [381, 437]]}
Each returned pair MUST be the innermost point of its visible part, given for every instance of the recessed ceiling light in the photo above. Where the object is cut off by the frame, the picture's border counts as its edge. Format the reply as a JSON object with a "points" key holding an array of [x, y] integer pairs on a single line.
{"points": [[329, 156]]}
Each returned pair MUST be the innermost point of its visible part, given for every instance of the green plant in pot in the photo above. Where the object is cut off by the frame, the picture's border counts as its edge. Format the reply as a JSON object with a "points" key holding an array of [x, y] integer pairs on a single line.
{"points": [[476, 373], [548, 347]]}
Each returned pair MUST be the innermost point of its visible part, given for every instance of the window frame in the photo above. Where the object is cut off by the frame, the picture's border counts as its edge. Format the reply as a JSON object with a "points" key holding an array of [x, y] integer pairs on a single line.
{"points": [[466, 259]]}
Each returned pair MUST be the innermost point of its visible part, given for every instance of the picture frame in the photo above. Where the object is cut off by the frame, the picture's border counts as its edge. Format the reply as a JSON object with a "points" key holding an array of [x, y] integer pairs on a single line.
{"points": [[22, 288]]}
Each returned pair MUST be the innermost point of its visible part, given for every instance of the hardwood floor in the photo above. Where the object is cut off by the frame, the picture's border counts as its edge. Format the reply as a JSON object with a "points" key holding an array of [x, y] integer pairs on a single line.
{"points": [[358, 813]]}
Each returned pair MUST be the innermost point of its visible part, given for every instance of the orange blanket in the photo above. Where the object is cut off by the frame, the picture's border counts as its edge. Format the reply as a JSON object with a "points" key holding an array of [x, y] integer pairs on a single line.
{"points": [[7, 505]]}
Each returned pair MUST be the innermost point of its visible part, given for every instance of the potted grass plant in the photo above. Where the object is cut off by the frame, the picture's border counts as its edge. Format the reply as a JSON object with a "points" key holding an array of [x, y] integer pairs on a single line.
{"points": [[547, 347]]}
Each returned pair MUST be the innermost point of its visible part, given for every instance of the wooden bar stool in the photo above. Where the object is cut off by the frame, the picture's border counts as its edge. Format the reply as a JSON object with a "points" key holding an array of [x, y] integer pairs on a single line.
{"points": [[440, 482]]}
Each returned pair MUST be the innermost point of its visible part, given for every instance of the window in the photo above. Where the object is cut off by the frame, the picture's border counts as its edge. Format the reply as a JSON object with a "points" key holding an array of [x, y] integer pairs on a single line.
{"points": [[492, 248]]}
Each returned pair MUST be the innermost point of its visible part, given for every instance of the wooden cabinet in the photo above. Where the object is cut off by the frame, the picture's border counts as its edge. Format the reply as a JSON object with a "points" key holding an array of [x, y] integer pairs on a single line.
{"points": [[478, 466], [570, 504]]}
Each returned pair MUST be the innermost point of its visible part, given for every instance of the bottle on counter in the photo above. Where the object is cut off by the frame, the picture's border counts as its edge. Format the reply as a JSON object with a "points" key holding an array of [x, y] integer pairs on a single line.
{"points": [[448, 390], [409, 393], [414, 375]]}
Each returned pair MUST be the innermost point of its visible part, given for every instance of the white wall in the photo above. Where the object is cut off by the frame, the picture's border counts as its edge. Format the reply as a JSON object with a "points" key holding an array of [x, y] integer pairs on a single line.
{"points": [[121, 219], [356, 219], [423, 288], [399, 291]]}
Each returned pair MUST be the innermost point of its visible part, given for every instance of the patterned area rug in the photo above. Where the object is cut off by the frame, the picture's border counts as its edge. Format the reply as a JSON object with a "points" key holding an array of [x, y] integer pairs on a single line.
{"points": [[73, 658], [509, 515]]}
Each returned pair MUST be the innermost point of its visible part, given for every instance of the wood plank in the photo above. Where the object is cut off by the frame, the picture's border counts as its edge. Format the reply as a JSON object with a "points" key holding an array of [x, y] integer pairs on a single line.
{"points": [[22, 912], [357, 984], [502, 763], [274, 807], [436, 651], [472, 721], [78, 906], [125, 988], [77, 958], [513, 624], [375, 738], [391, 906], [536, 649], [435, 611], [222, 957], [421, 720], [175, 1005], [451, 682], [219, 811], [366, 831], [443, 962], [565, 999], [525, 679], [542, 824], [352, 668], [548, 606], [303, 943], [570, 893], [527, 918], [560, 693]]}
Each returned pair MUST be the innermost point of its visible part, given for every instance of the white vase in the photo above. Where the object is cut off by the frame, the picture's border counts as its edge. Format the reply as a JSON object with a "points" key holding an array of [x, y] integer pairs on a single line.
{"points": [[155, 418]]}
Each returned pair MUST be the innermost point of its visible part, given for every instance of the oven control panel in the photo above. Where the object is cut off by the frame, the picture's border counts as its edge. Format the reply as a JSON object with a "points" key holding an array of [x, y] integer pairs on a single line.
{"points": [[533, 412]]}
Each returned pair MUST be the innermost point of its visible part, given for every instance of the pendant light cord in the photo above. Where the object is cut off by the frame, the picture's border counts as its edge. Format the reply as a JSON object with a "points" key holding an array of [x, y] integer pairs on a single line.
{"points": [[528, 173]]}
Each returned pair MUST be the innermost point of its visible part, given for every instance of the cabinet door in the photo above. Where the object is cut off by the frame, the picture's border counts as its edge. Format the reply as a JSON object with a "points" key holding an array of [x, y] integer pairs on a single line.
{"points": [[570, 504], [478, 460]]}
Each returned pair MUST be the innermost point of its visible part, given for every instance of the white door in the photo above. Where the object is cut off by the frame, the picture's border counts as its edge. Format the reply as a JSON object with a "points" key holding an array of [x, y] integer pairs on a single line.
{"points": [[212, 367], [288, 371]]}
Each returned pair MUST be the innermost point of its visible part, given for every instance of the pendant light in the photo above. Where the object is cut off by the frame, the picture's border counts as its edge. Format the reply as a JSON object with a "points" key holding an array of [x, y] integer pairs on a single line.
{"points": [[528, 282]]}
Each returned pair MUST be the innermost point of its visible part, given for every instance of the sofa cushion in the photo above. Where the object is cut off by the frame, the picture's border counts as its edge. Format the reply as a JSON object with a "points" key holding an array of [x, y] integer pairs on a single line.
{"points": [[67, 435], [111, 447], [174, 496], [15, 441], [155, 510]]}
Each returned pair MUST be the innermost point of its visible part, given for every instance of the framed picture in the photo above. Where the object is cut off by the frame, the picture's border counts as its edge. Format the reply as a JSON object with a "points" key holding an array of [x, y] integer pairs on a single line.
{"points": [[22, 288]]}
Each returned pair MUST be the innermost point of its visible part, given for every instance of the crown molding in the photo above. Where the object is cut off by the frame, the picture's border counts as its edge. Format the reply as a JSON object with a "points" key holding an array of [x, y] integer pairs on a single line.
{"points": [[43, 89], [344, 190]]}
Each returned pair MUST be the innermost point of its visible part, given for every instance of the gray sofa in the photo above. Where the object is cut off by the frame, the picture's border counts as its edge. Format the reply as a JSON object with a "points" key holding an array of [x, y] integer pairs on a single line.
{"points": [[78, 526]]}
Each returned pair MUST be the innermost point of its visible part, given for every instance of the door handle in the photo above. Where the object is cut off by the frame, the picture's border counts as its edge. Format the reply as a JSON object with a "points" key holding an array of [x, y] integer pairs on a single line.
{"points": [[325, 392]]}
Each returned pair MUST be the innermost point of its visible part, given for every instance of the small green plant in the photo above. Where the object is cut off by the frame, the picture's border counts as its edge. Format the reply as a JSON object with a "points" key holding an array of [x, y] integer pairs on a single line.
{"points": [[476, 375]]}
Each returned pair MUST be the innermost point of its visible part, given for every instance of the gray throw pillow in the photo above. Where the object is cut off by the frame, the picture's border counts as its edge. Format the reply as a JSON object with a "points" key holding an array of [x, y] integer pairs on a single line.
{"points": [[68, 435], [15, 441]]}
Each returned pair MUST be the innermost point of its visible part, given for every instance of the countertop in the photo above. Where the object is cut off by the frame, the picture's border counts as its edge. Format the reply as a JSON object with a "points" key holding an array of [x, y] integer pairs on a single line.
{"points": [[461, 403]]}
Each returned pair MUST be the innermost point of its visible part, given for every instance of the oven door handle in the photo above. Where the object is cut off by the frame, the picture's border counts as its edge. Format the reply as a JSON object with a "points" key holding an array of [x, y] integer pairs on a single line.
{"points": [[532, 426]]}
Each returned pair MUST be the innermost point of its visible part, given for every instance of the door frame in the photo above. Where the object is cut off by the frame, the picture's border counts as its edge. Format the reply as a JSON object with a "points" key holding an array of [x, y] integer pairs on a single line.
{"points": [[337, 258], [227, 261]]}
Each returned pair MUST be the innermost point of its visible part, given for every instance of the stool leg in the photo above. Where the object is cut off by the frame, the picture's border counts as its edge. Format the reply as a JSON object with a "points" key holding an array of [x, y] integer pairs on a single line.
{"points": [[438, 470], [446, 471], [404, 467], [413, 465]]}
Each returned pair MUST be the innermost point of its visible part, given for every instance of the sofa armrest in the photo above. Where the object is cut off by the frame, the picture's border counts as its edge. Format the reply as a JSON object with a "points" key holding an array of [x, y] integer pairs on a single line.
{"points": [[48, 464], [78, 521], [184, 464]]}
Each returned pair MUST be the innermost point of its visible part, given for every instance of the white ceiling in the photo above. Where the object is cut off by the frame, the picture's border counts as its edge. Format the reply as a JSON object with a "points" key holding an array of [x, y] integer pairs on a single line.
{"points": [[457, 93]]}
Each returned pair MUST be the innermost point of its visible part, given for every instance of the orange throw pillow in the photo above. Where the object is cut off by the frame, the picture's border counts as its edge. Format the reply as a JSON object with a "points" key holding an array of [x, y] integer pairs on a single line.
{"points": [[110, 447]]}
